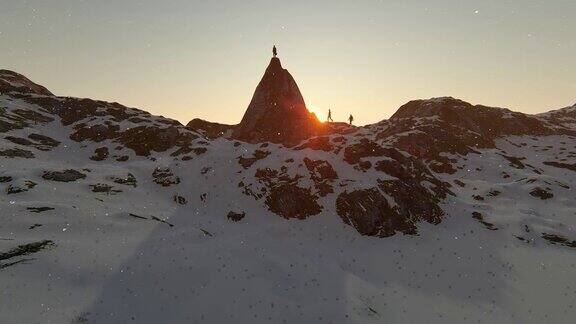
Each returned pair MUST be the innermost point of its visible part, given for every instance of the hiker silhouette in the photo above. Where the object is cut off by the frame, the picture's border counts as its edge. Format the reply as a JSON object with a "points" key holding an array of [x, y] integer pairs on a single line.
{"points": [[330, 116], [274, 51], [351, 119]]}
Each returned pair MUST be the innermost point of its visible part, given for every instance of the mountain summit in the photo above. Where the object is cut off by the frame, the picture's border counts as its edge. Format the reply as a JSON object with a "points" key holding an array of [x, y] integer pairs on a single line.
{"points": [[277, 112], [11, 81]]}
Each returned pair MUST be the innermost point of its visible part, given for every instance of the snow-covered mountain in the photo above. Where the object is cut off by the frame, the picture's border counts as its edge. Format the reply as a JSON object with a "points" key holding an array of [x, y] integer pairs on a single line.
{"points": [[446, 212]]}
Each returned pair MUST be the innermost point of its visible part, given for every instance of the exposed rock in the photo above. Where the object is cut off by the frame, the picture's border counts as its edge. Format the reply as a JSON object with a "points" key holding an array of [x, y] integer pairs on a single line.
{"points": [[257, 155], [291, 201], [209, 129], [320, 170], [364, 148], [480, 218], [100, 154], [63, 176], [431, 129], [277, 112], [515, 162], [26, 249], [415, 202], [180, 200], [13, 82], [95, 133], [104, 188], [5, 179], [369, 212], [44, 143], [321, 143], [144, 139], [16, 153], [165, 177], [565, 117], [14, 189], [39, 209], [541, 193], [19, 140], [322, 173], [486, 121], [363, 166], [40, 142], [129, 180], [186, 150], [236, 217], [557, 239], [568, 166], [161, 221]]}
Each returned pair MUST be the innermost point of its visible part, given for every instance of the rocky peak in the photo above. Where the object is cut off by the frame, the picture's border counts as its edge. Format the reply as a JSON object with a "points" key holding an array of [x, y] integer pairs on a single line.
{"points": [[431, 107], [13, 82], [209, 129], [277, 112], [480, 119], [565, 117]]}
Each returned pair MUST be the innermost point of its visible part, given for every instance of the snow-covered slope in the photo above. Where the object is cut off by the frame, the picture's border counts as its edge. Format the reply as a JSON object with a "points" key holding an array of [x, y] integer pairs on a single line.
{"points": [[565, 117], [447, 212]]}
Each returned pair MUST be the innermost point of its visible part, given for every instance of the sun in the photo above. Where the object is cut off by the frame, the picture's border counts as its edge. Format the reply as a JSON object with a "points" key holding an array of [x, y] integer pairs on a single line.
{"points": [[319, 112]]}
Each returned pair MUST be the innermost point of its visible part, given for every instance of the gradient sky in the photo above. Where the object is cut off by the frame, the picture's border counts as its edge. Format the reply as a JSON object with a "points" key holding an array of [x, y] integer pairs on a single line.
{"points": [[185, 59]]}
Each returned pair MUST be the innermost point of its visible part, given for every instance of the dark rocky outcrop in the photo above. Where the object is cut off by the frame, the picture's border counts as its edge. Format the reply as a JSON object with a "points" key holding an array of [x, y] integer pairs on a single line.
{"points": [[320, 143], [247, 162], [480, 218], [40, 142], [429, 129], [44, 143], [63, 176], [144, 139], [91, 120], [39, 209], [5, 179], [541, 193], [209, 129], [489, 122], [104, 188], [291, 201], [14, 189], [364, 148], [277, 112], [565, 117], [100, 154], [26, 249], [13, 82], [568, 166], [369, 212], [236, 217], [129, 180], [16, 153], [558, 239], [322, 173], [165, 177], [179, 200]]}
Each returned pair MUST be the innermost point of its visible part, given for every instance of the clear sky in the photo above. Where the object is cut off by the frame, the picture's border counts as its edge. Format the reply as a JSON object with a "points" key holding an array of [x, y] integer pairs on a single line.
{"points": [[185, 58]]}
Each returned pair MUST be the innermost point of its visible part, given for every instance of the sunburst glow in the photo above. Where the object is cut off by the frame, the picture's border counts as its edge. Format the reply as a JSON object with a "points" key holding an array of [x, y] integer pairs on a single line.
{"points": [[321, 113]]}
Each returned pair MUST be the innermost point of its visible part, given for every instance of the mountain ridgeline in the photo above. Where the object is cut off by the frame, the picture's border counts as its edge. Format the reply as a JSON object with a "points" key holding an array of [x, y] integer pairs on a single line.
{"points": [[385, 178], [117, 216]]}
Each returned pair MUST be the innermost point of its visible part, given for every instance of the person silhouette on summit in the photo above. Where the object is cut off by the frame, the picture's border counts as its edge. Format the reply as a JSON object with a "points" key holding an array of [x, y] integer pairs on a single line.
{"points": [[329, 116], [274, 51], [350, 119]]}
